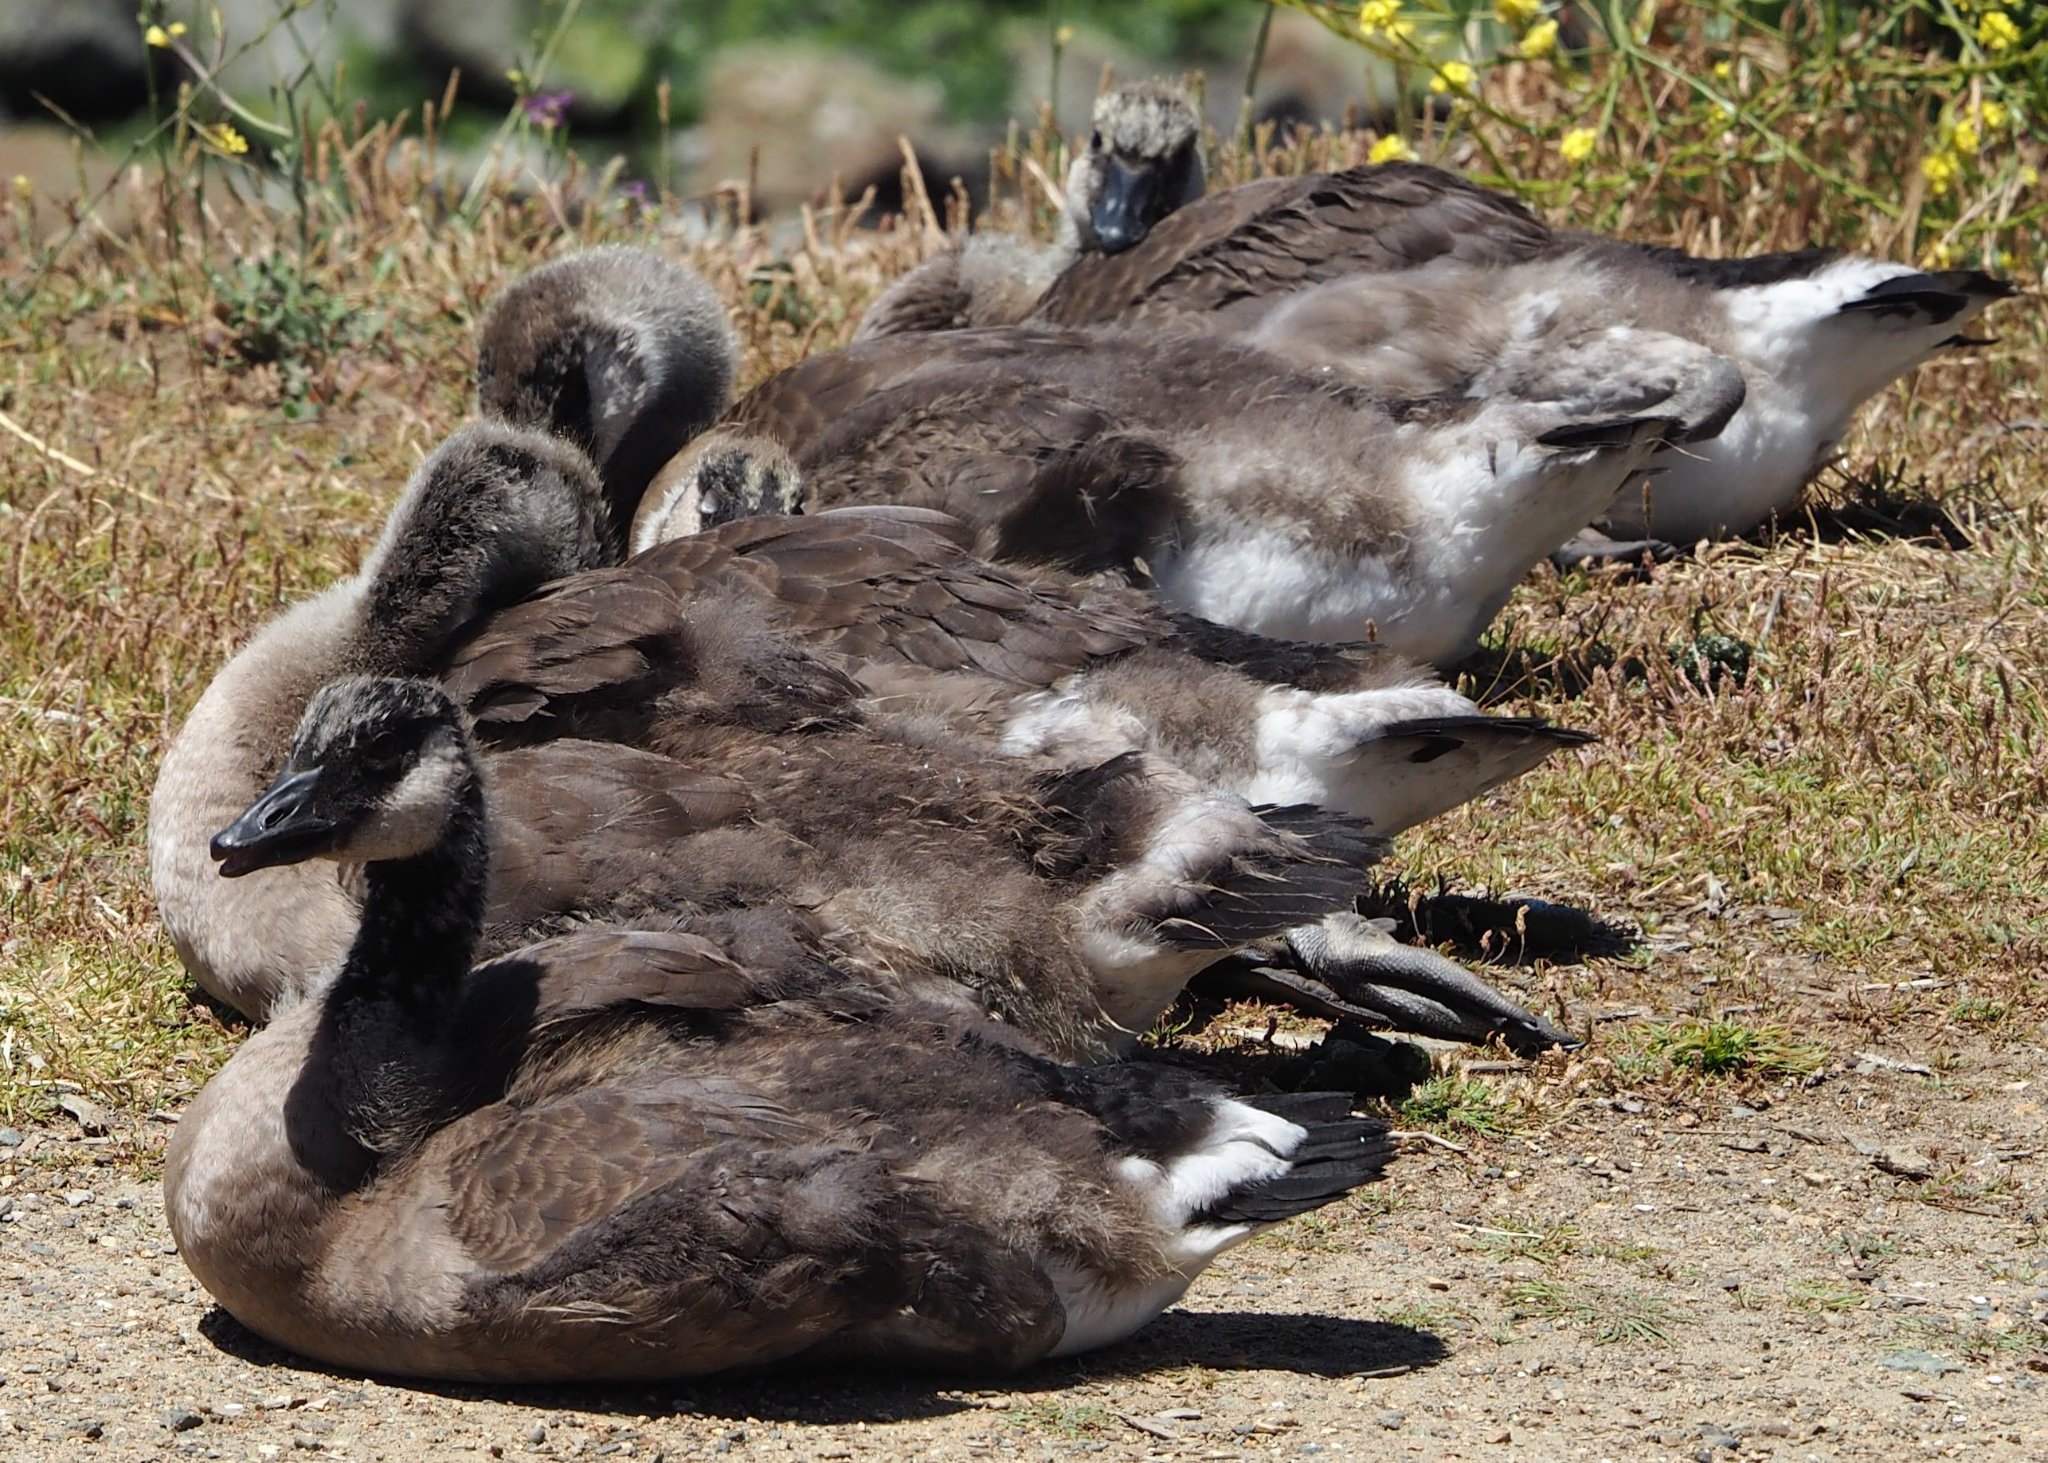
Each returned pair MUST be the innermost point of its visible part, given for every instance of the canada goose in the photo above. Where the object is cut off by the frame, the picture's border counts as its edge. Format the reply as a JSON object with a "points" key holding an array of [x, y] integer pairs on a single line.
{"points": [[1143, 160], [615, 350], [945, 645], [1403, 276], [1075, 896], [635, 1154], [1370, 734], [489, 517], [1396, 746], [1280, 501]]}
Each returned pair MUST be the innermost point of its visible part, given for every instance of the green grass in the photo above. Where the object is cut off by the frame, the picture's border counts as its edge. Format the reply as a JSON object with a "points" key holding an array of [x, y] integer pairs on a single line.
{"points": [[1724, 1048], [1824, 1295], [1458, 1104], [1608, 1315]]}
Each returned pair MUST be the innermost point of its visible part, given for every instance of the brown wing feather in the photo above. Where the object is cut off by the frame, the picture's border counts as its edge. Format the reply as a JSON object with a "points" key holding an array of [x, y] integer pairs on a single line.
{"points": [[1281, 234]]}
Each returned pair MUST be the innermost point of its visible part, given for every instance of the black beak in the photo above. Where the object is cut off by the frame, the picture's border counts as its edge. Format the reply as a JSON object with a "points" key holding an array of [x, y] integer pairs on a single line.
{"points": [[278, 828], [1124, 208]]}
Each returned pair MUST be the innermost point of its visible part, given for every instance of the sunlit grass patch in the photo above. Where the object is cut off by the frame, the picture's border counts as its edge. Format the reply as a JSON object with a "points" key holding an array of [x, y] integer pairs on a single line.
{"points": [[1725, 1048], [1607, 1315], [1462, 1104]]}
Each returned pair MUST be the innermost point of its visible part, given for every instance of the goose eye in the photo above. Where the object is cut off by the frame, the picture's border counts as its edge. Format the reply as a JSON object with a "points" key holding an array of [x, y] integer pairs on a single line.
{"points": [[1095, 141], [384, 752]]}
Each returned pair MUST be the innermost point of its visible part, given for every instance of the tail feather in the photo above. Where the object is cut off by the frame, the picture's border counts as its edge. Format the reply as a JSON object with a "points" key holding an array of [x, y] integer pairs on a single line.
{"points": [[1308, 664], [1260, 892], [1418, 768], [1933, 298], [1339, 1153], [1610, 433]]}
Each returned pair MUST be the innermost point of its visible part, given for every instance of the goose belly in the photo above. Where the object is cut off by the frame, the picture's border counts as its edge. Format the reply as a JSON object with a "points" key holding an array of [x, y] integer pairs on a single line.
{"points": [[1730, 485], [1275, 584]]}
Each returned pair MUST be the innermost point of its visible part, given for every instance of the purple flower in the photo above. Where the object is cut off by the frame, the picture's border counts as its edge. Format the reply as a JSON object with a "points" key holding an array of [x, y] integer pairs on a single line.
{"points": [[547, 109]]}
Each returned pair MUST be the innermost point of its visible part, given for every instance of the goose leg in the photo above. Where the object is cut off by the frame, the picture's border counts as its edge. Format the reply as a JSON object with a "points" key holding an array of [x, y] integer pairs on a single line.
{"points": [[1589, 548], [1405, 987]]}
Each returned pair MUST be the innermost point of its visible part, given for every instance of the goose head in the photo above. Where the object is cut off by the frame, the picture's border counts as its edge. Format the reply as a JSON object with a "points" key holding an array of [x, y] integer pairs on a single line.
{"points": [[1143, 161], [615, 350], [490, 515], [719, 477], [376, 772]]}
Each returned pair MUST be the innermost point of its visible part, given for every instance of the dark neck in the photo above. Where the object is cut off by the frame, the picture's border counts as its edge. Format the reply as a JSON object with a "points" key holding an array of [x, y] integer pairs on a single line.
{"points": [[385, 1030]]}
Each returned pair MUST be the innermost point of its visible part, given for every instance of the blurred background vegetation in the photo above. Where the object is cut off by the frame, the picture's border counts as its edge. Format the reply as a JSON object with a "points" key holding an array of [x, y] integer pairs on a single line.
{"points": [[1910, 126]]}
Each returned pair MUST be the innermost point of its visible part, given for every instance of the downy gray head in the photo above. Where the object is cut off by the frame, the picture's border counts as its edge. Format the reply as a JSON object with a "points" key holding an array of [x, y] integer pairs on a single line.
{"points": [[491, 515], [1143, 161], [614, 349], [719, 477], [377, 768]]}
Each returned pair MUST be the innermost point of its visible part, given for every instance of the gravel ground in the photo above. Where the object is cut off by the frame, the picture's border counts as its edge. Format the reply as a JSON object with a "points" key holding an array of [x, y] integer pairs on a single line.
{"points": [[1851, 1269]]}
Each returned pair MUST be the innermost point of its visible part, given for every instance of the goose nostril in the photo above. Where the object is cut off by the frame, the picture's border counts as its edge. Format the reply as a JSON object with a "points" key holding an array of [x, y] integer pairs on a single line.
{"points": [[274, 816]]}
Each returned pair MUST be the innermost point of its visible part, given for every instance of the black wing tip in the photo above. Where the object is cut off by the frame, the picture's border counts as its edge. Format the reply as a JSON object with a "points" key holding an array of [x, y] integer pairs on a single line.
{"points": [[1613, 433], [1532, 728], [1940, 295], [1340, 1153]]}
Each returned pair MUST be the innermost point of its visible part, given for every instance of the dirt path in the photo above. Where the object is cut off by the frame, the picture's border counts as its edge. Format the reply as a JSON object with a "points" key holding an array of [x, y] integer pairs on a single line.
{"points": [[1650, 1278]]}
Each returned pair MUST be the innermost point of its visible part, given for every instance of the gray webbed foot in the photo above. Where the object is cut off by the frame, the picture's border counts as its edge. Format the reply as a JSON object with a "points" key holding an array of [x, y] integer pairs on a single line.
{"points": [[1411, 988]]}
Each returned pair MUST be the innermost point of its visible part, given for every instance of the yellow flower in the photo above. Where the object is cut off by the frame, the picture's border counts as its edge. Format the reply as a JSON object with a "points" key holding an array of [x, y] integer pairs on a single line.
{"points": [[1577, 145], [223, 136], [1941, 255], [516, 76], [1965, 139], [1451, 76], [1393, 148], [156, 35], [1723, 70], [1994, 115], [1383, 18], [1940, 170], [2029, 176], [1996, 31], [24, 187], [1063, 37], [1541, 40], [1517, 13]]}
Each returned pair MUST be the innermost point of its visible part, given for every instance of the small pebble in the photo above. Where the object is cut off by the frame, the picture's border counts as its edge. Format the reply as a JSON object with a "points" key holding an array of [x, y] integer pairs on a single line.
{"points": [[537, 1434], [124, 1202], [10, 1138], [182, 1419], [75, 1197], [1392, 1421]]}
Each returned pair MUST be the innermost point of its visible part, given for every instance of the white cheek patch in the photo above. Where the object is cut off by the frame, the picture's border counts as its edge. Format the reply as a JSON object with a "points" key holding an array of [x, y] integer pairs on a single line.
{"points": [[677, 514], [414, 814]]}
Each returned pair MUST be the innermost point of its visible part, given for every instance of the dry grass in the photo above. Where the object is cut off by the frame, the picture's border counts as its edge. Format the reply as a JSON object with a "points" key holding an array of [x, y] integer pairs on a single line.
{"points": [[1864, 808]]}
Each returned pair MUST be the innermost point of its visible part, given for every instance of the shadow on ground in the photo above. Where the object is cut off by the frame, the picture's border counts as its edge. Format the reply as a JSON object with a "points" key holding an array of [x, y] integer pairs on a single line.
{"points": [[1511, 930], [1321, 1346]]}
